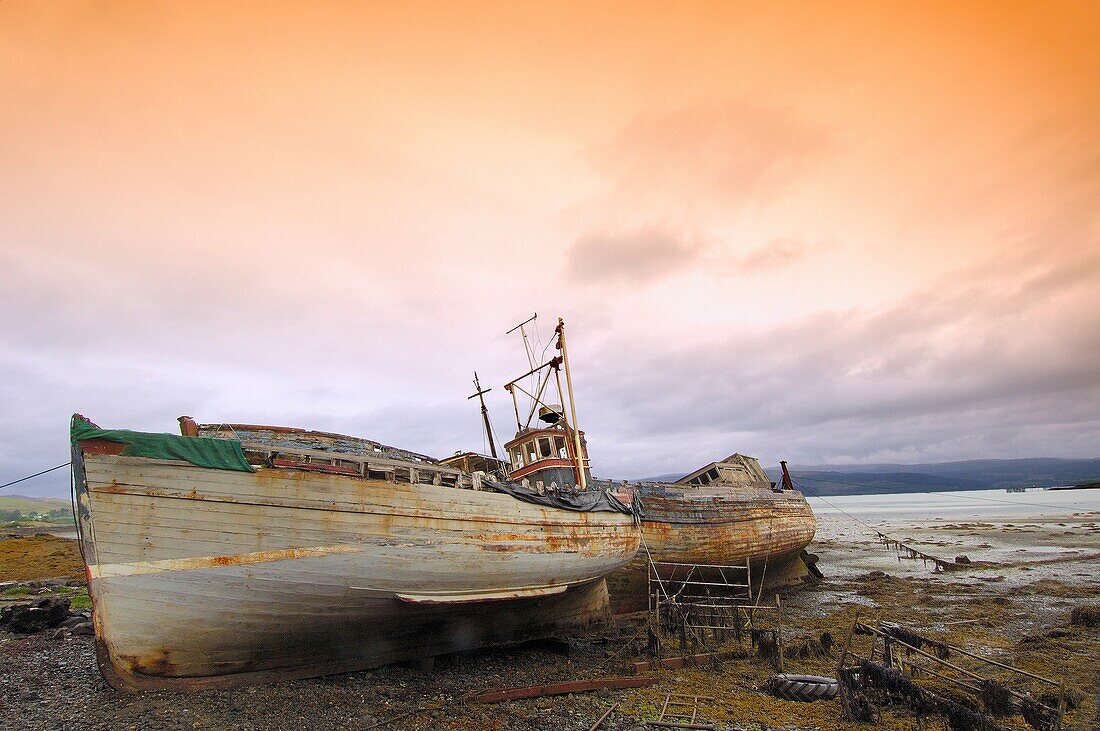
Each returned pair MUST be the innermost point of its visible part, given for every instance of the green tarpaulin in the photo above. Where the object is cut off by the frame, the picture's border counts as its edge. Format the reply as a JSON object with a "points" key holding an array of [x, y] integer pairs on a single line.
{"points": [[217, 454]]}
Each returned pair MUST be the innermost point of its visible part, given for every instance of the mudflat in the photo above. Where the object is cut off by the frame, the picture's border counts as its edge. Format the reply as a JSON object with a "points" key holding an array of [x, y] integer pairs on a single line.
{"points": [[1013, 606]]}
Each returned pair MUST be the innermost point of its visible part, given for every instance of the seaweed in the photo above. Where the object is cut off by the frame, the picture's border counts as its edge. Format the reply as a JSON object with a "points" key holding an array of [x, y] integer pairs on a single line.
{"points": [[894, 682], [1087, 615], [997, 699], [1038, 716], [653, 642], [960, 713], [913, 639], [860, 708], [811, 647], [857, 704], [961, 717], [766, 643], [1072, 698]]}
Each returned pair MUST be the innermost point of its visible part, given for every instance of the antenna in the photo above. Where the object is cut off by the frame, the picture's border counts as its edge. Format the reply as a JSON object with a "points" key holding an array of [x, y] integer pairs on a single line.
{"points": [[480, 394], [526, 345]]}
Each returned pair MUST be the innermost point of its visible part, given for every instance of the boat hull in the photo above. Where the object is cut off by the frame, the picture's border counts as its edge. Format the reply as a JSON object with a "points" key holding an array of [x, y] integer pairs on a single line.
{"points": [[216, 577], [716, 525]]}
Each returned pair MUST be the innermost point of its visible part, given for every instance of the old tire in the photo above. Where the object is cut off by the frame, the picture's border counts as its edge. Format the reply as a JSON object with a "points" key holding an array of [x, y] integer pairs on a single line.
{"points": [[805, 688]]}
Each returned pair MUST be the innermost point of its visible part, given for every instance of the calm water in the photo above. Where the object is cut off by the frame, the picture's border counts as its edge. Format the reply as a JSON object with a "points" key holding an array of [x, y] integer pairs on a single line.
{"points": [[957, 505], [1027, 526]]}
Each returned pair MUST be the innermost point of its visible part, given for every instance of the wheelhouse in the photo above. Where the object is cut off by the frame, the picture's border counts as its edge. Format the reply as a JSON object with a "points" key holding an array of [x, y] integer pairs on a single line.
{"points": [[546, 455]]}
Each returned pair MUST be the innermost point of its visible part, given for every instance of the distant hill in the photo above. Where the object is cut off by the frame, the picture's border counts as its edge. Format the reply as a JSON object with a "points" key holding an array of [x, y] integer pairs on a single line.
{"points": [[671, 477], [971, 474], [14, 508], [33, 504], [974, 474]]}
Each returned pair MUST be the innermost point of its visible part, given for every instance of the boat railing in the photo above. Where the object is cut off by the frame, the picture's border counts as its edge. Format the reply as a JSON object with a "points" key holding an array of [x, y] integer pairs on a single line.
{"points": [[357, 465]]}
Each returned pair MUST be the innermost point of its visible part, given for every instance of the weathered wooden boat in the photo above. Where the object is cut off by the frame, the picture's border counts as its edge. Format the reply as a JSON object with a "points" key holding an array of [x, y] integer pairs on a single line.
{"points": [[234, 554], [726, 513]]}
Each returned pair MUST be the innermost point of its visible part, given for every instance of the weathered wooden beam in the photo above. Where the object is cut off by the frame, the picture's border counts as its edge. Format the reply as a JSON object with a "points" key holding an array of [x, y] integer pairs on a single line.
{"points": [[573, 686], [671, 663]]}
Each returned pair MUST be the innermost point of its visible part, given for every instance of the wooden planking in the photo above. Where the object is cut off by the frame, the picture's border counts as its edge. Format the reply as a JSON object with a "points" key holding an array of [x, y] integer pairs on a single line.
{"points": [[323, 609], [413, 561], [129, 529], [320, 491]]}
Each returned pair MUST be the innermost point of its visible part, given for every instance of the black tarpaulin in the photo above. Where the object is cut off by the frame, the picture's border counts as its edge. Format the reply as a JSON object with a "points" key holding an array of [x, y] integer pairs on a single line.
{"points": [[593, 500]]}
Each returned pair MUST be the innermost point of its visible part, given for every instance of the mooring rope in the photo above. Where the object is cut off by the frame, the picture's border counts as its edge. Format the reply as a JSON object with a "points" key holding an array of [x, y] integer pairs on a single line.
{"points": [[36, 474], [889, 540]]}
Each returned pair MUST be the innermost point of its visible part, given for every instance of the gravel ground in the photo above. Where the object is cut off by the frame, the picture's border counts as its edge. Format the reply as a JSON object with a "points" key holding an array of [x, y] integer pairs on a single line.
{"points": [[52, 682]]}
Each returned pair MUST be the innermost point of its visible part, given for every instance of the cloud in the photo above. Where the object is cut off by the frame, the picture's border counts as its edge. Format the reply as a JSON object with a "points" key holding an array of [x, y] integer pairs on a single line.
{"points": [[776, 254], [732, 151], [996, 362], [637, 257]]}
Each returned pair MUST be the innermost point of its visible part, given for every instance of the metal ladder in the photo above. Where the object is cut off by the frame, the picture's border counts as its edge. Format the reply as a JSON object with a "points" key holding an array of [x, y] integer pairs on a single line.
{"points": [[681, 711]]}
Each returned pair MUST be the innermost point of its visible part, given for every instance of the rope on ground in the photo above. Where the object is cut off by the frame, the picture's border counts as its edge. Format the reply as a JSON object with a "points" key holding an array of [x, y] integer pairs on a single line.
{"points": [[36, 474]]}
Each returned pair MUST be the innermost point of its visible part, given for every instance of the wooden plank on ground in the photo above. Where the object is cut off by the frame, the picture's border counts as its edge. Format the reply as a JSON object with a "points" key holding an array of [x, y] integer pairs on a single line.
{"points": [[671, 663], [573, 686]]}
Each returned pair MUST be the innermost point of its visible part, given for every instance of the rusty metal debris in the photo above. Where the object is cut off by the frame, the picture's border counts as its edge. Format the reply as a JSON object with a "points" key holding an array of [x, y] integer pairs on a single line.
{"points": [[681, 711], [601, 719], [671, 663], [573, 686], [903, 659], [706, 605]]}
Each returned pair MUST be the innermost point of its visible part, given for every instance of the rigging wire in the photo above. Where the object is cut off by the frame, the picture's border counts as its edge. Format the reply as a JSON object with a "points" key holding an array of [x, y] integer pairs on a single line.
{"points": [[878, 533], [836, 507], [36, 474], [538, 336]]}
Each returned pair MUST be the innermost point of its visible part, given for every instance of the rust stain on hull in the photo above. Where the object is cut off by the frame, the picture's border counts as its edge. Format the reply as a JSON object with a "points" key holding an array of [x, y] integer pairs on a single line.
{"points": [[136, 568], [717, 524]]}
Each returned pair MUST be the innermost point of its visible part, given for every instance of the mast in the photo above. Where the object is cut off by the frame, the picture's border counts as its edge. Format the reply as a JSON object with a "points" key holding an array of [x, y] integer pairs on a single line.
{"points": [[484, 414], [787, 483], [578, 454]]}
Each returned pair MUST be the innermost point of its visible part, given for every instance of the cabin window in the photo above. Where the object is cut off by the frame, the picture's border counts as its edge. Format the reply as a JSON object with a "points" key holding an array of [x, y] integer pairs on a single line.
{"points": [[544, 447], [517, 458], [529, 448], [559, 445]]}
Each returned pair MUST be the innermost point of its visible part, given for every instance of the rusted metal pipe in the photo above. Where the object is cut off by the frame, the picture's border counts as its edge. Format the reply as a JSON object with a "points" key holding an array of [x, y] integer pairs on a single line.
{"points": [[954, 667], [601, 719]]}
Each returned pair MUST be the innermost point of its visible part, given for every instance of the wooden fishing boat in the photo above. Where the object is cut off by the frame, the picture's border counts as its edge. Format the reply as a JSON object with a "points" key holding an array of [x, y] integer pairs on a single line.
{"points": [[726, 513], [233, 554]]}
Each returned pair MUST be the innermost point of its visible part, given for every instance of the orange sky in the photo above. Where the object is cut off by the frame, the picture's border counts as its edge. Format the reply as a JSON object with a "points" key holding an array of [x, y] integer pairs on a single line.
{"points": [[812, 231]]}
